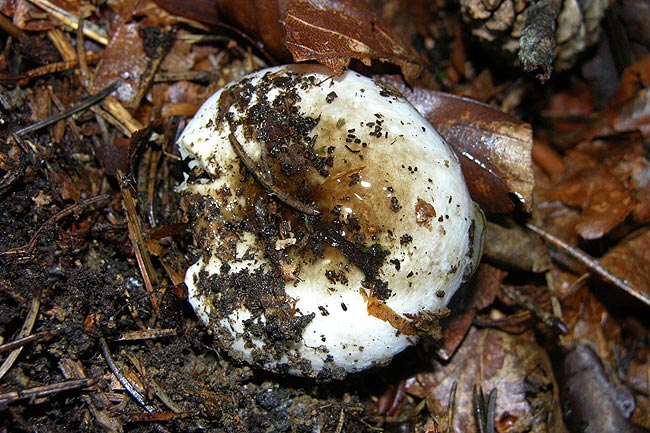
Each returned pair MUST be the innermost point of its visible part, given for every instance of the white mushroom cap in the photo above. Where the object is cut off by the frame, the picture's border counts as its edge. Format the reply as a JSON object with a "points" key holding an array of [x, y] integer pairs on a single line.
{"points": [[333, 222]]}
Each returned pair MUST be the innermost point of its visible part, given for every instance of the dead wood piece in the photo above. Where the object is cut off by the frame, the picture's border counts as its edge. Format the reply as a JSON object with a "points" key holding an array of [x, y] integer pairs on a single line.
{"points": [[139, 245], [146, 334], [593, 403], [20, 342], [89, 102], [513, 247], [24, 332], [45, 390]]}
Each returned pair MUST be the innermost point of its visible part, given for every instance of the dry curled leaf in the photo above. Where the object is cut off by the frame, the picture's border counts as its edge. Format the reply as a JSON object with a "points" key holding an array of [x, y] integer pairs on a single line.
{"points": [[333, 32], [494, 148]]}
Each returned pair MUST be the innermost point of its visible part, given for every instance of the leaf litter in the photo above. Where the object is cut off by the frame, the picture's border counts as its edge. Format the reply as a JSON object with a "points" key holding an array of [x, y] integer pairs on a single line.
{"points": [[95, 330]]}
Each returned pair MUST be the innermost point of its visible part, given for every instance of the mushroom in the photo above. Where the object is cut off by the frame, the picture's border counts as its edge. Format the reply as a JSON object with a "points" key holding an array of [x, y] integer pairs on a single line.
{"points": [[332, 222]]}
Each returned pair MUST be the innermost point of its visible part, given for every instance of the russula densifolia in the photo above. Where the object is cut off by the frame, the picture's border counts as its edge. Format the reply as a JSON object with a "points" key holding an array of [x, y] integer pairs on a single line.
{"points": [[333, 222]]}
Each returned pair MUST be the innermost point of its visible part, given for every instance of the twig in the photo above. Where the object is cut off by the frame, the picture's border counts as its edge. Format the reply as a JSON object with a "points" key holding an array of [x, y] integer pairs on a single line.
{"points": [[146, 334], [62, 214], [91, 30], [126, 383], [152, 417], [150, 383], [45, 390], [74, 129], [592, 264], [139, 245], [12, 30], [20, 342], [116, 114], [341, 422], [24, 332], [550, 320], [274, 190], [51, 68], [89, 102]]}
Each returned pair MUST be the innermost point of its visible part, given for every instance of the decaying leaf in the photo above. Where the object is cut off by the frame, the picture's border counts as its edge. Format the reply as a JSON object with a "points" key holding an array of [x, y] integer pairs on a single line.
{"points": [[589, 321], [630, 260], [331, 32], [514, 364], [132, 55], [509, 245], [263, 21], [628, 112], [334, 32], [205, 11], [478, 295], [592, 401], [629, 109], [605, 202], [494, 148]]}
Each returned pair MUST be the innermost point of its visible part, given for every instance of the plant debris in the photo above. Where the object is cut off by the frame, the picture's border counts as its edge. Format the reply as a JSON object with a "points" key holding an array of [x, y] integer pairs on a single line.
{"points": [[96, 331]]}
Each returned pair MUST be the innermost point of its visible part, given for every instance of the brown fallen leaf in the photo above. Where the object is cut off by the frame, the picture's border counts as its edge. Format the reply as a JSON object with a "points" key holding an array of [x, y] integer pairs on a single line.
{"points": [[204, 11], [628, 112], [133, 56], [630, 260], [331, 32], [511, 246], [480, 293], [604, 200], [494, 148], [634, 78], [515, 365], [589, 321], [593, 402], [336, 31]]}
